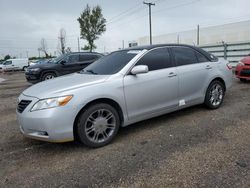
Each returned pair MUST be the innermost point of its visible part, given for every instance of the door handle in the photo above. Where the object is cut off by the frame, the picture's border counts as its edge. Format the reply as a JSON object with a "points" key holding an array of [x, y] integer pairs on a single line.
{"points": [[208, 67], [172, 74]]}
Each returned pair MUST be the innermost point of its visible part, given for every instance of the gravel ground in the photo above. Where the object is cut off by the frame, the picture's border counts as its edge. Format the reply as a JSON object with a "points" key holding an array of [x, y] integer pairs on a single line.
{"points": [[194, 147]]}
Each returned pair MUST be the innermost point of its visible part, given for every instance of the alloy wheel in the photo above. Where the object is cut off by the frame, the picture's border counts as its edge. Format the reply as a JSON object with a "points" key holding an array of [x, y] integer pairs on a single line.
{"points": [[216, 95], [49, 76], [100, 125]]}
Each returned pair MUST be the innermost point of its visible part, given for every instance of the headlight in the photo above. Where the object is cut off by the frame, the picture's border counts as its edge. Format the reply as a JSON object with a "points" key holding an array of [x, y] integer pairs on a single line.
{"points": [[51, 103], [240, 64], [34, 69]]}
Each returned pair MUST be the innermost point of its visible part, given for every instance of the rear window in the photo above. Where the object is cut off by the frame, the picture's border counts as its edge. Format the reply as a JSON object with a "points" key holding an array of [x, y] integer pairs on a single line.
{"points": [[88, 57], [201, 58], [184, 56]]}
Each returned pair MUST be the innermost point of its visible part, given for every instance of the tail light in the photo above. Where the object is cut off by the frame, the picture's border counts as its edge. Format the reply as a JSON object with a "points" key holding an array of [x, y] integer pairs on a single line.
{"points": [[229, 66]]}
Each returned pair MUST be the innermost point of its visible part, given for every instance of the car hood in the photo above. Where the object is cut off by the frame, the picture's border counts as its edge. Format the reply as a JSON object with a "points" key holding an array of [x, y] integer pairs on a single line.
{"points": [[246, 60], [58, 86]]}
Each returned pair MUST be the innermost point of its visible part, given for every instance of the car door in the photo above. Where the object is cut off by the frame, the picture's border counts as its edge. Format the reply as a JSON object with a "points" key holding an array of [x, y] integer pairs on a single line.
{"points": [[8, 65], [154, 91], [193, 69], [70, 64], [87, 59]]}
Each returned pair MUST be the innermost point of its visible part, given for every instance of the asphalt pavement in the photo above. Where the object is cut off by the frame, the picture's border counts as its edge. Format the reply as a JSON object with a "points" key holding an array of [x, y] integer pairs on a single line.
{"points": [[194, 147]]}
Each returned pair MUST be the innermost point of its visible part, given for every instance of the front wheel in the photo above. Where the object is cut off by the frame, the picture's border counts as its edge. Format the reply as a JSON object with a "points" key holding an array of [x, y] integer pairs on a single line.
{"points": [[98, 125], [243, 80], [48, 76], [25, 68], [215, 95]]}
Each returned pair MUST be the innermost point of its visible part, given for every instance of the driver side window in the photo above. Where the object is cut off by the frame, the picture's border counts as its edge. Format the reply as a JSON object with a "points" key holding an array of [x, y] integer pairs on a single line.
{"points": [[8, 63], [73, 59], [156, 59]]}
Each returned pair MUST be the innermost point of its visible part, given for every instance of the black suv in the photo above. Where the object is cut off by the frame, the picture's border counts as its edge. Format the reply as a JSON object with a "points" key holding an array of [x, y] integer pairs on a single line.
{"points": [[64, 64]]}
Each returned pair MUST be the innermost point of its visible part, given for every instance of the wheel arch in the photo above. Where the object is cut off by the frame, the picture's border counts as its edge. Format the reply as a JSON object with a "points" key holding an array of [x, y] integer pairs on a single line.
{"points": [[221, 80], [109, 101], [218, 78]]}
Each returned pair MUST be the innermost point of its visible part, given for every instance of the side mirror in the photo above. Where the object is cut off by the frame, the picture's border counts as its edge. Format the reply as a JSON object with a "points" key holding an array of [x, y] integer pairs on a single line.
{"points": [[63, 62], [139, 69]]}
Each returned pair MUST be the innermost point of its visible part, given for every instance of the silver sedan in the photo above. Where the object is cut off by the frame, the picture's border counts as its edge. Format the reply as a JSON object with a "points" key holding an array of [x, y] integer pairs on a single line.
{"points": [[120, 89]]}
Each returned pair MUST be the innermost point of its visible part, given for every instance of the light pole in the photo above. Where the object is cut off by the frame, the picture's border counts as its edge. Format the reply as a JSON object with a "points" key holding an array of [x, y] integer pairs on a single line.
{"points": [[150, 27], [198, 35], [78, 42]]}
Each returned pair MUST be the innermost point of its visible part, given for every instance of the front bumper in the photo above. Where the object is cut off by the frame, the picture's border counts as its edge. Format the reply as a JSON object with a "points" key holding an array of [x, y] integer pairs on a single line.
{"points": [[53, 125], [33, 78], [243, 72]]}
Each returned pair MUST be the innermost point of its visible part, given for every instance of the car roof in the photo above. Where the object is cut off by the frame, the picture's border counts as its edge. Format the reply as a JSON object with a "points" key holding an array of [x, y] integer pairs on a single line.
{"points": [[150, 47], [95, 53]]}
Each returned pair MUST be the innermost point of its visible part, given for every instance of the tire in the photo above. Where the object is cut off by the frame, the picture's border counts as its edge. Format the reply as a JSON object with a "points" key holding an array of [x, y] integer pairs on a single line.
{"points": [[243, 80], [48, 76], [215, 95], [24, 68], [92, 125]]}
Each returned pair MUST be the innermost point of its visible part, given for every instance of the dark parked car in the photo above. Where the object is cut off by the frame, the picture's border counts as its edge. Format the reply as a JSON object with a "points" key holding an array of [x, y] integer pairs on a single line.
{"points": [[65, 64]]}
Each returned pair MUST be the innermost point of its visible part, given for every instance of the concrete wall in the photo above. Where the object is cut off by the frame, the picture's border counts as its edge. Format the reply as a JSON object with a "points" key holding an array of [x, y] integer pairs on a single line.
{"points": [[234, 32]]}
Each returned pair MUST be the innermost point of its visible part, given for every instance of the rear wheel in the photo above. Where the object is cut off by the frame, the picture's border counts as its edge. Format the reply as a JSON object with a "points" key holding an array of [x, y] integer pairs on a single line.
{"points": [[48, 76], [243, 79], [215, 95], [98, 125]]}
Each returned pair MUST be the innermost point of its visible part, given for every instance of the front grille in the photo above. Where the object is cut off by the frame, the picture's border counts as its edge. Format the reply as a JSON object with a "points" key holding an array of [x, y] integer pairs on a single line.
{"points": [[245, 72], [22, 105]]}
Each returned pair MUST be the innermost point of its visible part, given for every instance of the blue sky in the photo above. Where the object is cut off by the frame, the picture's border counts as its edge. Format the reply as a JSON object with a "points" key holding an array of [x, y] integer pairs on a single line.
{"points": [[24, 23]]}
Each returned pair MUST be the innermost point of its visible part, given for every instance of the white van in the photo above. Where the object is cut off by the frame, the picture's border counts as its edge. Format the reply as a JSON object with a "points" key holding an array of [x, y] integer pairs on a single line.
{"points": [[15, 64]]}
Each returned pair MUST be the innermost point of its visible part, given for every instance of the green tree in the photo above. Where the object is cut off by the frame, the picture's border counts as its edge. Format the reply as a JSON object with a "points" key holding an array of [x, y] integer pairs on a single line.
{"points": [[7, 57], [92, 25]]}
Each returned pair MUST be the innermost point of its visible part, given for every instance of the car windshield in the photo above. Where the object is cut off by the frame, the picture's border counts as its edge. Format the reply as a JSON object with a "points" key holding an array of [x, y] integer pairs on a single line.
{"points": [[111, 63], [57, 59]]}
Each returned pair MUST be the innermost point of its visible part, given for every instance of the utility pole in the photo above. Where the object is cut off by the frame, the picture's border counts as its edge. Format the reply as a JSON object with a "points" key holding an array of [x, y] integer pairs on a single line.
{"points": [[61, 38], [78, 41], [198, 35], [150, 28], [39, 49], [225, 49], [178, 39], [122, 44]]}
